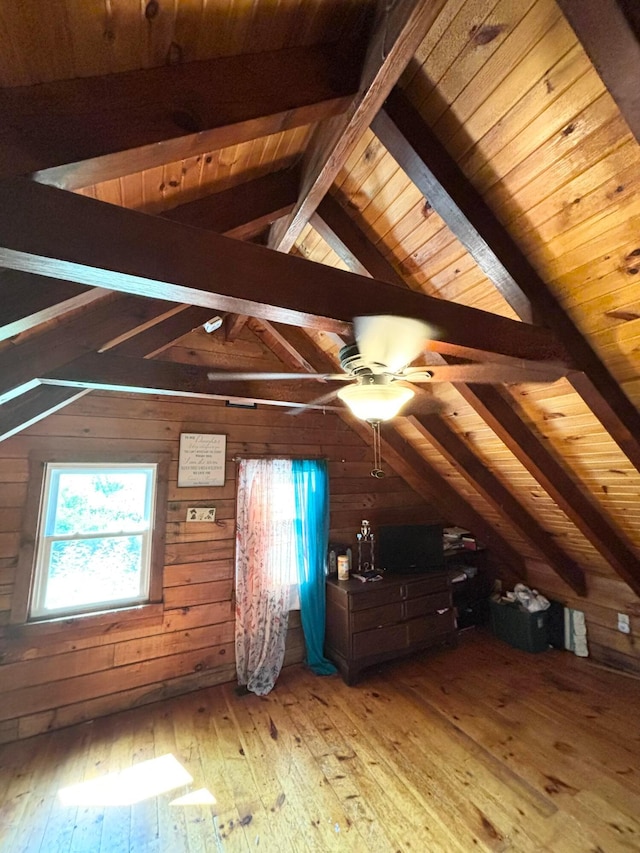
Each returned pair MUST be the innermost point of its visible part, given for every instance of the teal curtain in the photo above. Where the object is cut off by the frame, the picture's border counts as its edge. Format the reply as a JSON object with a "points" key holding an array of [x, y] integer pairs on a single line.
{"points": [[311, 489]]}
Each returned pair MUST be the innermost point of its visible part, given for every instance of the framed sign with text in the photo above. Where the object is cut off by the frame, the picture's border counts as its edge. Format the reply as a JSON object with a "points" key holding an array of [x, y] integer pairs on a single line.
{"points": [[202, 459]]}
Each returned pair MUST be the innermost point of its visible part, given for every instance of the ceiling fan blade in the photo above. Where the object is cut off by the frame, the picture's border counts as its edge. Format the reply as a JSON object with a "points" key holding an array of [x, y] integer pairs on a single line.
{"points": [[247, 375], [494, 374], [318, 403], [390, 341]]}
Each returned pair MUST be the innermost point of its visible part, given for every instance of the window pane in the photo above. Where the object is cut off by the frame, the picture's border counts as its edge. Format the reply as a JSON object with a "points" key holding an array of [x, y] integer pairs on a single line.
{"points": [[91, 571], [99, 502]]}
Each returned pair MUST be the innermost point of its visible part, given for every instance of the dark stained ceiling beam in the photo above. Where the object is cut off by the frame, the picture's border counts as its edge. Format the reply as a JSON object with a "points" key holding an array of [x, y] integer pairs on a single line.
{"points": [[399, 29], [59, 234], [501, 412], [156, 338], [108, 372], [242, 211], [233, 325], [420, 154], [44, 400], [608, 32], [417, 150], [295, 347], [485, 482], [27, 301], [111, 318], [76, 133], [33, 406], [351, 244]]}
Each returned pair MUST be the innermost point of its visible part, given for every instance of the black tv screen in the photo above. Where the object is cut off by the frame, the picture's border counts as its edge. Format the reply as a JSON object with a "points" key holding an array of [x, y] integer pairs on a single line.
{"points": [[410, 548]]}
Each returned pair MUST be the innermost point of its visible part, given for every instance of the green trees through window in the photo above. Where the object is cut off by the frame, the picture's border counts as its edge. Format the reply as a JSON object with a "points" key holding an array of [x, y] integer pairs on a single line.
{"points": [[94, 539]]}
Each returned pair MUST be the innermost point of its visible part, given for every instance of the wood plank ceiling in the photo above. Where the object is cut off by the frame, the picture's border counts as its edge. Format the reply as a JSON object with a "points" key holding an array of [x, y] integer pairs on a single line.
{"points": [[454, 159]]}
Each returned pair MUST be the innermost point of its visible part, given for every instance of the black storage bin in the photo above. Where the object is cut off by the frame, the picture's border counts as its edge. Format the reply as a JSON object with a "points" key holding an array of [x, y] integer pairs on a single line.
{"points": [[521, 629]]}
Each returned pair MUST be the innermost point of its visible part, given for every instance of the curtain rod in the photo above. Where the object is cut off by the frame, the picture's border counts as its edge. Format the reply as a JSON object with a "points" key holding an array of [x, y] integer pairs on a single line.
{"points": [[242, 456]]}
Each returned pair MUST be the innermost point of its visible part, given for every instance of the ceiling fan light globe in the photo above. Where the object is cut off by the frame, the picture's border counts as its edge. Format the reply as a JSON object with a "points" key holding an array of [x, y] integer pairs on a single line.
{"points": [[375, 402]]}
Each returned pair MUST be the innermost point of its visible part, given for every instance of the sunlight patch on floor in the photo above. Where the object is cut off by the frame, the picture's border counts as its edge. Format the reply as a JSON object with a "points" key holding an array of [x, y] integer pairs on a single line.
{"points": [[125, 787], [201, 797]]}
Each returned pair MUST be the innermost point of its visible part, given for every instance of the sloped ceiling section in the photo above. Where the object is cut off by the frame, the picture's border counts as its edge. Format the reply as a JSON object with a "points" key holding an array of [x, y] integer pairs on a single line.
{"points": [[464, 162]]}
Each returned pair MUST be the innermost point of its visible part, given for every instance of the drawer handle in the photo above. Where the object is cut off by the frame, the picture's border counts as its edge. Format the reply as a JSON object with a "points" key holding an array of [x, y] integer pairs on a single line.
{"points": [[440, 612]]}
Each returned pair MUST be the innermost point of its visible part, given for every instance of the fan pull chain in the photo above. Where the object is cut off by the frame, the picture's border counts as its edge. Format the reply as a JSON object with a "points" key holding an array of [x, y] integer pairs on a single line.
{"points": [[377, 461]]}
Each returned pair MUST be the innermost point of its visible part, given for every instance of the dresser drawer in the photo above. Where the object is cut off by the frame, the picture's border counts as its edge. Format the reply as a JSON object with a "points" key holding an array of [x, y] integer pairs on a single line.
{"points": [[427, 584], [377, 617], [422, 630], [427, 604], [389, 639], [375, 594]]}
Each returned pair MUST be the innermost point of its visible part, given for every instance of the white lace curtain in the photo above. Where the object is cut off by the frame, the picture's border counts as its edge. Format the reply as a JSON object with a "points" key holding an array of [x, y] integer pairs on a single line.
{"points": [[265, 569]]}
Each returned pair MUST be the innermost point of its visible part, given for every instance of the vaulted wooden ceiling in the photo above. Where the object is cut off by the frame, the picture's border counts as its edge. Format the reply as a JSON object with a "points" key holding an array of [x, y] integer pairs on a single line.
{"points": [[472, 163]]}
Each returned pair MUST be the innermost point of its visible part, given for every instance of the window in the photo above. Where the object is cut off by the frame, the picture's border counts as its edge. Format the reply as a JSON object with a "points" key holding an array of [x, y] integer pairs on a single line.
{"points": [[97, 542]]}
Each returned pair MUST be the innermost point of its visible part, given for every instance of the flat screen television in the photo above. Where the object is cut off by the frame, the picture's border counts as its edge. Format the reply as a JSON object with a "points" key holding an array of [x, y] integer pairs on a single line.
{"points": [[410, 548]]}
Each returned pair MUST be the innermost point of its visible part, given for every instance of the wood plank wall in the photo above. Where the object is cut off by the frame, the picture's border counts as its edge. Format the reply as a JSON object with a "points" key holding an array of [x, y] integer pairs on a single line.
{"points": [[67, 675]]}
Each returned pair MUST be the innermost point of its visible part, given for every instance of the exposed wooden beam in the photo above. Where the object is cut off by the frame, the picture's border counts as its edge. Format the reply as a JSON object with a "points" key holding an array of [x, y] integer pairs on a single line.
{"points": [[244, 210], [34, 405], [158, 337], [63, 235], [405, 135], [396, 34], [501, 412], [93, 329], [80, 132], [108, 372], [351, 244], [417, 150], [27, 301], [345, 255], [292, 345], [38, 403], [458, 453], [610, 39], [233, 325]]}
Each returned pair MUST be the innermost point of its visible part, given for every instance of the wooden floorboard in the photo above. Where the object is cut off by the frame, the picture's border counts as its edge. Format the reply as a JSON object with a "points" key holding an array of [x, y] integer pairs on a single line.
{"points": [[478, 748]]}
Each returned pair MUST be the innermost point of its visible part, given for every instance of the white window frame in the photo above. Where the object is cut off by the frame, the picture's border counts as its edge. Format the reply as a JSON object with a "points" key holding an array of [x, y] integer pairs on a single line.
{"points": [[44, 541]]}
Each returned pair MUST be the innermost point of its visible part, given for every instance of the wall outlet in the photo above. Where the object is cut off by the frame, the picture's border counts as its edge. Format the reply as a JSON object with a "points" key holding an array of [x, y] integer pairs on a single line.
{"points": [[623, 623], [201, 513]]}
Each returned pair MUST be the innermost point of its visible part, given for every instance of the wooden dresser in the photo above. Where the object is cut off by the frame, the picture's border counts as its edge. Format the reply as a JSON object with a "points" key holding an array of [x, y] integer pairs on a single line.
{"points": [[368, 623]]}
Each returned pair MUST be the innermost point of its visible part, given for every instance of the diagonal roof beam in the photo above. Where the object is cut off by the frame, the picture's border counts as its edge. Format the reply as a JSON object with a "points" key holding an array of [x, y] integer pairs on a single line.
{"points": [[27, 301], [501, 412], [75, 133], [397, 32], [485, 482], [403, 132], [494, 407], [38, 403], [610, 39], [244, 210], [64, 235], [115, 316]]}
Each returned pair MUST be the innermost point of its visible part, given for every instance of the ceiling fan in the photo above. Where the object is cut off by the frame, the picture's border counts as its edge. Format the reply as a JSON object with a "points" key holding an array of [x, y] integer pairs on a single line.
{"points": [[377, 368]]}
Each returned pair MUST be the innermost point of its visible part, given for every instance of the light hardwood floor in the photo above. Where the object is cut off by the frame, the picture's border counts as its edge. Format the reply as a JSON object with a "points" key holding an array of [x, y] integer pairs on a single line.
{"points": [[480, 748]]}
